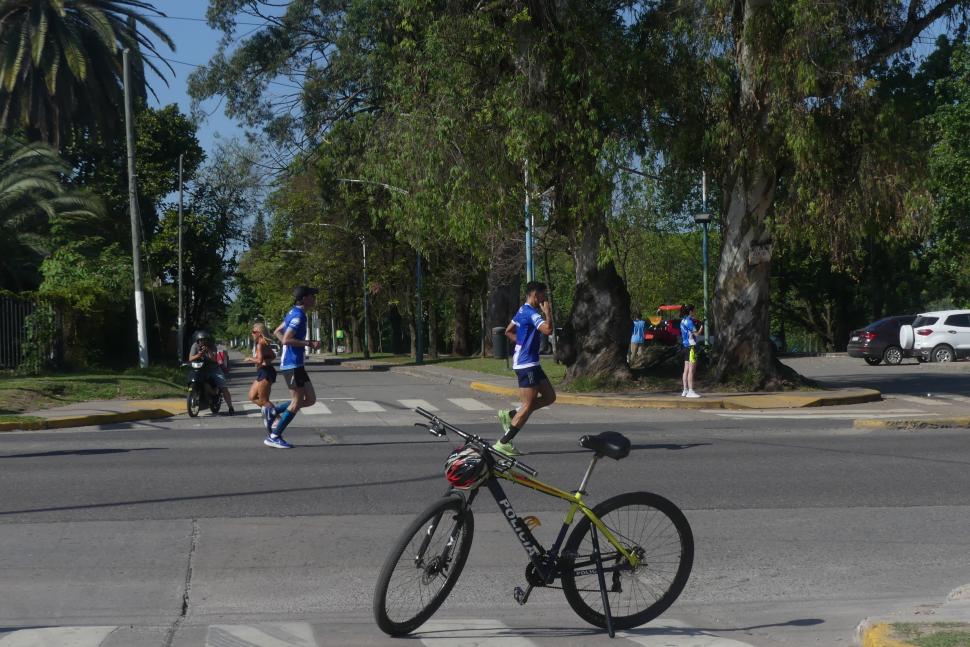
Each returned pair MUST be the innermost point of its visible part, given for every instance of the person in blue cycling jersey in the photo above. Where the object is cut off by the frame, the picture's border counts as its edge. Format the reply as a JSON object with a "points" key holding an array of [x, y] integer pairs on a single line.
{"points": [[292, 334], [637, 339], [688, 342], [532, 320]]}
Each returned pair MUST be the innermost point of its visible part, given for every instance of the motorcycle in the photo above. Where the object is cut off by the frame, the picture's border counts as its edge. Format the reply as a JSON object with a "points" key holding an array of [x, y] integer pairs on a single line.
{"points": [[203, 391]]}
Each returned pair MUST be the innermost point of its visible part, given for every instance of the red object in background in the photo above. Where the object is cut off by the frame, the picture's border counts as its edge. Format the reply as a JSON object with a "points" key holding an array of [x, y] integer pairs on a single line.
{"points": [[869, 336], [222, 358]]}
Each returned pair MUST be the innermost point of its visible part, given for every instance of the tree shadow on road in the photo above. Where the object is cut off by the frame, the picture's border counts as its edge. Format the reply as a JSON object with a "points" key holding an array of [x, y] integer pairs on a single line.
{"points": [[83, 452]]}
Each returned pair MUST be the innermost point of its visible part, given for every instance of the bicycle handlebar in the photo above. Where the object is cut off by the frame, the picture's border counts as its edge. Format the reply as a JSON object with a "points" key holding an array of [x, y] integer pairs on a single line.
{"points": [[439, 427]]}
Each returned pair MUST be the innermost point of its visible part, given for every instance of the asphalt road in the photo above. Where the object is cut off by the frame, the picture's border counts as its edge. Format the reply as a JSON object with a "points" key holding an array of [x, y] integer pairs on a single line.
{"points": [[191, 532]]}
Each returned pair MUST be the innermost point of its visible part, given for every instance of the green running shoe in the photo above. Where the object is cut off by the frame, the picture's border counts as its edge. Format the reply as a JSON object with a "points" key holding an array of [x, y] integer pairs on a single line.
{"points": [[505, 419], [506, 448]]}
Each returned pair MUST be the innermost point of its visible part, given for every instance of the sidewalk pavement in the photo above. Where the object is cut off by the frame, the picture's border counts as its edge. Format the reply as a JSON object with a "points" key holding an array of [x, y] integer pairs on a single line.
{"points": [[97, 412], [947, 621]]}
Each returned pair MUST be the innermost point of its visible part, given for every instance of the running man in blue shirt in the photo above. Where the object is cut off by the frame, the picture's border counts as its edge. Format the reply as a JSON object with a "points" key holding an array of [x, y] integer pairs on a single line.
{"points": [[292, 335], [535, 390]]}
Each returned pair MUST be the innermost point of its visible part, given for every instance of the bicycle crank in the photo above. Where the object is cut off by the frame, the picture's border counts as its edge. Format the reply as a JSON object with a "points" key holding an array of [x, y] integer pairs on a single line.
{"points": [[522, 596]]}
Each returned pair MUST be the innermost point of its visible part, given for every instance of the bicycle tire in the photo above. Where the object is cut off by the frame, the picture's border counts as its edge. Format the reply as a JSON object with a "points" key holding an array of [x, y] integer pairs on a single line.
{"points": [[402, 560], [667, 560]]}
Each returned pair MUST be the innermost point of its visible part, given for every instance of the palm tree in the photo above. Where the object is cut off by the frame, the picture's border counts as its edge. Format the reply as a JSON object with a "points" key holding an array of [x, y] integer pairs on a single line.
{"points": [[32, 198], [60, 63]]}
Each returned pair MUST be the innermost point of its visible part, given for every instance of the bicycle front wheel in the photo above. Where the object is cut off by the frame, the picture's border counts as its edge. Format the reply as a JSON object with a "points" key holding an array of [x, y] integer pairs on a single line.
{"points": [[423, 566], [646, 525]]}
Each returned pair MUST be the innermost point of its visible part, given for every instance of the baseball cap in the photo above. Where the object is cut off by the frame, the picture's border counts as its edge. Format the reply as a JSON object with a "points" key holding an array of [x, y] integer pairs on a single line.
{"points": [[301, 291]]}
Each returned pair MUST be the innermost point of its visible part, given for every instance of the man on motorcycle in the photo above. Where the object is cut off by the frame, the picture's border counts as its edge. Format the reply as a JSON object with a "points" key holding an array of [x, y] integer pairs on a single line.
{"points": [[204, 350]]}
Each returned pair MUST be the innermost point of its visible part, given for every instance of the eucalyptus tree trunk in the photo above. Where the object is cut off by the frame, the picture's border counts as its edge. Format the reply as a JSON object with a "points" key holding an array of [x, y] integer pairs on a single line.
{"points": [[742, 289], [596, 334]]}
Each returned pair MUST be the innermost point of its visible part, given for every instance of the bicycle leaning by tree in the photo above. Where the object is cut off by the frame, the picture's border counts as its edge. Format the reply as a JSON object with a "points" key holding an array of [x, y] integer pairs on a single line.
{"points": [[625, 562]]}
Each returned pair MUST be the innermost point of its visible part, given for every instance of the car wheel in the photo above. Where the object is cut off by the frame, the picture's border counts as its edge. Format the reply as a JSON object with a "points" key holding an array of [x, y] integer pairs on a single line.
{"points": [[942, 353], [872, 361], [893, 355]]}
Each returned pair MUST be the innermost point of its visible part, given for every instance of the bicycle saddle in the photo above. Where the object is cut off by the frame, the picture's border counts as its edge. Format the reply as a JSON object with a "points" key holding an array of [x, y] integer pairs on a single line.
{"points": [[609, 443]]}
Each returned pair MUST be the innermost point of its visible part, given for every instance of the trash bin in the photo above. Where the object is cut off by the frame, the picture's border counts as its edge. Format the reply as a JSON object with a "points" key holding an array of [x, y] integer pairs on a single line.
{"points": [[500, 343]]}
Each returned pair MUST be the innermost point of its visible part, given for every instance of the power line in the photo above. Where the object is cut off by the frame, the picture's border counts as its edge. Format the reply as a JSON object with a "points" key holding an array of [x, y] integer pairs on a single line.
{"points": [[248, 24]]}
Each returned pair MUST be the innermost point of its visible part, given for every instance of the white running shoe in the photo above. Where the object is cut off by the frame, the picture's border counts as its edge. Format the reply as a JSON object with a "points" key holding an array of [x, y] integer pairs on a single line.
{"points": [[692, 394], [683, 393]]}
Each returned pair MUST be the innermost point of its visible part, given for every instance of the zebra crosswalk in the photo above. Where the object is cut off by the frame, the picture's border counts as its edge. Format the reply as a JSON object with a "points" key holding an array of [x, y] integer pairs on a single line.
{"points": [[449, 632], [340, 406]]}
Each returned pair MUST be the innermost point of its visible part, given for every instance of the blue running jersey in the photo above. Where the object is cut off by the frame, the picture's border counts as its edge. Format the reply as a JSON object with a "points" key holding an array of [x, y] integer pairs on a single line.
{"points": [[295, 320], [527, 337], [639, 325], [686, 328]]}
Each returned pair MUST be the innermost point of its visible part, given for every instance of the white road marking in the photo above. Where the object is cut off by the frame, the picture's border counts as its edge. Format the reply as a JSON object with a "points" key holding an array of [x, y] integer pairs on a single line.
{"points": [[470, 633], [470, 404], [366, 406], [952, 397], [57, 637], [673, 633], [317, 409], [824, 416], [935, 401], [284, 634], [414, 404], [812, 412]]}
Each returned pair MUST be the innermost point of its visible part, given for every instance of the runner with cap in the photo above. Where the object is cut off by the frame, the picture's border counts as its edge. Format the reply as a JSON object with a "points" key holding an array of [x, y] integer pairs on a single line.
{"points": [[292, 335]]}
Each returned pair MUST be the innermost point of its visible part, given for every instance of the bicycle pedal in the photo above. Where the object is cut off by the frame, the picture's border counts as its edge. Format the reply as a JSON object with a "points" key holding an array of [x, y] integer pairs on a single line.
{"points": [[521, 595]]}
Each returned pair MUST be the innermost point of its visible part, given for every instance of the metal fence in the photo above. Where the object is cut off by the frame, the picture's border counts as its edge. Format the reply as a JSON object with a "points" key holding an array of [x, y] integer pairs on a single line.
{"points": [[30, 334]]}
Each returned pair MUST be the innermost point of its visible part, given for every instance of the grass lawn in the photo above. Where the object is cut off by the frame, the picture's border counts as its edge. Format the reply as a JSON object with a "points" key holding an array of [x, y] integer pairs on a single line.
{"points": [[21, 393], [935, 634]]}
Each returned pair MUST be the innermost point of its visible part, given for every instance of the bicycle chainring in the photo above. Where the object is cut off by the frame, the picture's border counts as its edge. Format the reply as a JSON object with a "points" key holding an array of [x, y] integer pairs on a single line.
{"points": [[532, 575]]}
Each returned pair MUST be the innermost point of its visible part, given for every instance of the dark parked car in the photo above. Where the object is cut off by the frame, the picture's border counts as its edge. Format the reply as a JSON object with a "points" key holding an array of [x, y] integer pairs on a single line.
{"points": [[879, 341]]}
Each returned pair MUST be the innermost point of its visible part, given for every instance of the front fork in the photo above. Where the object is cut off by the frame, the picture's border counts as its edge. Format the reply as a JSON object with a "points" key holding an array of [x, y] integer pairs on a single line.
{"points": [[433, 526]]}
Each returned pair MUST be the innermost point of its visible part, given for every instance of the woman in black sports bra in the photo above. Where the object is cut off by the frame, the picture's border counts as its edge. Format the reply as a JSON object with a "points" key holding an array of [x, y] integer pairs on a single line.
{"points": [[263, 357]]}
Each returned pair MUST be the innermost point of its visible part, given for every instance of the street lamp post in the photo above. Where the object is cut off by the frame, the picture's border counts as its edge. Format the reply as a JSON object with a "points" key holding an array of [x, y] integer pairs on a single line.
{"points": [[704, 219]]}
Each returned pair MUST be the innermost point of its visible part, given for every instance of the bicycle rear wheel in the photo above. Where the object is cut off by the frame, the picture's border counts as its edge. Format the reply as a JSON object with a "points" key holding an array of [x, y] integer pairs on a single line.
{"points": [[652, 528], [423, 566]]}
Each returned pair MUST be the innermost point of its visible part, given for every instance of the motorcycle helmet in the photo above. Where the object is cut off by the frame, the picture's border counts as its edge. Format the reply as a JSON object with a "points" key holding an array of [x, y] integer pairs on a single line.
{"points": [[200, 335], [466, 468]]}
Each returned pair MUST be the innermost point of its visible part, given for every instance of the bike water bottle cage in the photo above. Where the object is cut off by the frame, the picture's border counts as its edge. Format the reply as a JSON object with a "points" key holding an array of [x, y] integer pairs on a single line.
{"points": [[609, 443]]}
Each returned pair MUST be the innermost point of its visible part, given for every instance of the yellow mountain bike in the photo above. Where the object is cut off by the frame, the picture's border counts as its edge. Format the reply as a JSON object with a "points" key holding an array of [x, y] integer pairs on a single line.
{"points": [[625, 562]]}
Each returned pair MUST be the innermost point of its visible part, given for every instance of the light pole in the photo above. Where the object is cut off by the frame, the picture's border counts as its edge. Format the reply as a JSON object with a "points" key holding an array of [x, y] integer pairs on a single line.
{"points": [[181, 316], [530, 270], [363, 246], [704, 220]]}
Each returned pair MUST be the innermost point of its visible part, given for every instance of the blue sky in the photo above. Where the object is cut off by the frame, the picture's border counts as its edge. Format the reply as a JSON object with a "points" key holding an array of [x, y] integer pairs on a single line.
{"points": [[195, 42]]}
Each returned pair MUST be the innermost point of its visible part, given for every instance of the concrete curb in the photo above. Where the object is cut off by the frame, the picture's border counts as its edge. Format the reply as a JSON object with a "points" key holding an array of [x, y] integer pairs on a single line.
{"points": [[767, 401], [64, 422], [913, 423], [877, 634]]}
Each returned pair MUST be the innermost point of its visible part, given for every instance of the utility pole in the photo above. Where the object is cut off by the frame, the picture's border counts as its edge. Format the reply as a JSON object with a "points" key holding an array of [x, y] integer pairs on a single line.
{"points": [[418, 316], [135, 218], [704, 219], [363, 244], [181, 314], [530, 271]]}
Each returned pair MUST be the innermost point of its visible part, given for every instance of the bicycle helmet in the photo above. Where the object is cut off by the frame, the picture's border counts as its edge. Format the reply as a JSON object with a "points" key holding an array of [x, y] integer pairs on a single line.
{"points": [[465, 468]]}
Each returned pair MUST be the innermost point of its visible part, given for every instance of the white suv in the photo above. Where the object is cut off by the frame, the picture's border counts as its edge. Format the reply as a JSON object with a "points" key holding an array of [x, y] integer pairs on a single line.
{"points": [[938, 336]]}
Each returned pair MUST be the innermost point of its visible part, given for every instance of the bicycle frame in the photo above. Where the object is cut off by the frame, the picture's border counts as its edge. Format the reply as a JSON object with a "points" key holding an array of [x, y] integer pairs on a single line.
{"points": [[546, 562]]}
